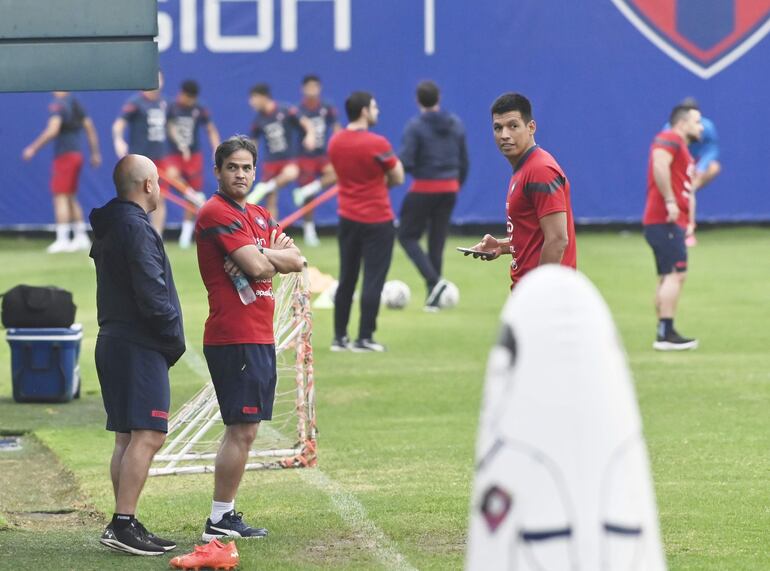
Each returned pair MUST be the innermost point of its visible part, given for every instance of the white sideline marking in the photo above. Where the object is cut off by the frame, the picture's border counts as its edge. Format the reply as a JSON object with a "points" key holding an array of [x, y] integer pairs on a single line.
{"points": [[353, 513], [347, 506]]}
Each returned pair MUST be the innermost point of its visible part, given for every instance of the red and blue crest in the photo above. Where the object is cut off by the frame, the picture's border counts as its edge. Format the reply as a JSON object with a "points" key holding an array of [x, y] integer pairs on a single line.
{"points": [[705, 36]]}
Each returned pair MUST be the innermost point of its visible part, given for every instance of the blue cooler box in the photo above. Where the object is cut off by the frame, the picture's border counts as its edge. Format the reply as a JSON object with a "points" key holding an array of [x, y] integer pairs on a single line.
{"points": [[44, 363]]}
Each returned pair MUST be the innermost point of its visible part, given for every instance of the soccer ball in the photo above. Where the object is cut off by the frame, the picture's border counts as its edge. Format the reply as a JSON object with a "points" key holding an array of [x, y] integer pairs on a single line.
{"points": [[450, 297], [395, 294]]}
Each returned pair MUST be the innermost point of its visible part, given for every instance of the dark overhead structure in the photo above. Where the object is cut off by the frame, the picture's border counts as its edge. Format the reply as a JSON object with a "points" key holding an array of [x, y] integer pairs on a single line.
{"points": [[75, 45]]}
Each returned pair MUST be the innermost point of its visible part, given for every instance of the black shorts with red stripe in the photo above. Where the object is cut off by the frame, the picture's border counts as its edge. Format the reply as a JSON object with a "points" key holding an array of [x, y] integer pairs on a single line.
{"points": [[244, 378], [135, 387], [668, 244]]}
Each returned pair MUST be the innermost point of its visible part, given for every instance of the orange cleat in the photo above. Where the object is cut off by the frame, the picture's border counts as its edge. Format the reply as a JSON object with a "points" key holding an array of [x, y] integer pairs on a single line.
{"points": [[213, 555]]}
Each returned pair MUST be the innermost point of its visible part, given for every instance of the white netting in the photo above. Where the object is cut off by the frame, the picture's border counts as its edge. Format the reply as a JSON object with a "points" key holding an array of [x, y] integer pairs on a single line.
{"points": [[289, 440]]}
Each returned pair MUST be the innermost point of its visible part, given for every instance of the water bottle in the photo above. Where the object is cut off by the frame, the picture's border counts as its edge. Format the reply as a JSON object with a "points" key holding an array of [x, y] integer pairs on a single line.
{"points": [[243, 287]]}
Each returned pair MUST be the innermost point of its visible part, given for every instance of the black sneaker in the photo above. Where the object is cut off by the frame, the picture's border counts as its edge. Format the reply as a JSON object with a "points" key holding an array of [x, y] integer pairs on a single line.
{"points": [[367, 346], [231, 525], [166, 544], [674, 342], [340, 344], [130, 539], [434, 297]]}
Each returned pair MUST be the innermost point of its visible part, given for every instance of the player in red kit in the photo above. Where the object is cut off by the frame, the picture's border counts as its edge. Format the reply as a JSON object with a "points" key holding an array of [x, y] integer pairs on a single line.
{"points": [[144, 114], [540, 225], [315, 170], [67, 121], [238, 242], [366, 167], [186, 115], [276, 123], [666, 216]]}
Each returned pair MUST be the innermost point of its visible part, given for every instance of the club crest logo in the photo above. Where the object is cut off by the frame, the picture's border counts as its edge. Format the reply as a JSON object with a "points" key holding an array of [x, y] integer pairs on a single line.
{"points": [[495, 506], [261, 222], [704, 36]]}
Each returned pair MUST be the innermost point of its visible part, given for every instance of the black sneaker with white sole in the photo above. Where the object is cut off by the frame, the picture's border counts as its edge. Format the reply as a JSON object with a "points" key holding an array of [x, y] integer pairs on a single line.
{"points": [[231, 525], [166, 544], [367, 346], [674, 342], [130, 539], [434, 297], [340, 344]]}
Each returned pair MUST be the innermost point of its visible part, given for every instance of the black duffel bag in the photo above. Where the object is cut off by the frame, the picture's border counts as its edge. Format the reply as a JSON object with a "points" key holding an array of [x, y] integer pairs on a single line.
{"points": [[38, 307]]}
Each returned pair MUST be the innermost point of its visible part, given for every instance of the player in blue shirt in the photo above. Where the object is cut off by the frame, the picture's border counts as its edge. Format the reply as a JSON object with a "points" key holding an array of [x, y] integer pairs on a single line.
{"points": [[186, 115], [276, 123], [145, 116], [67, 121]]}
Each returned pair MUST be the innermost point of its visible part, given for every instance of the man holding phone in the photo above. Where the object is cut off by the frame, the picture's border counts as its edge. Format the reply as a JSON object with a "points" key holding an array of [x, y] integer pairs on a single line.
{"points": [[540, 226]]}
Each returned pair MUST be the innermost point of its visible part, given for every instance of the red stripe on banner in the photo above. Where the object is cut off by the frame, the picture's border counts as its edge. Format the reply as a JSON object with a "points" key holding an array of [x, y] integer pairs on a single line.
{"points": [[250, 410], [160, 414]]}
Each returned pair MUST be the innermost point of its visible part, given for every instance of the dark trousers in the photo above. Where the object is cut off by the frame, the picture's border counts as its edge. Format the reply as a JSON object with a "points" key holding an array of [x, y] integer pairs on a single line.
{"points": [[421, 211], [372, 244]]}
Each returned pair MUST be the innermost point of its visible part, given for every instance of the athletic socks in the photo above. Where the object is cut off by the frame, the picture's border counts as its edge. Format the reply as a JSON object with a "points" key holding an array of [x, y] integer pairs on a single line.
{"points": [[219, 509], [121, 521], [79, 229], [62, 232], [665, 327], [303, 193], [185, 236], [308, 228]]}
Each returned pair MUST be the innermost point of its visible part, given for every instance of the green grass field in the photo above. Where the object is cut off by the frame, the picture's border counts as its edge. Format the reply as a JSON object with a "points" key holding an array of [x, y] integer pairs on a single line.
{"points": [[397, 430]]}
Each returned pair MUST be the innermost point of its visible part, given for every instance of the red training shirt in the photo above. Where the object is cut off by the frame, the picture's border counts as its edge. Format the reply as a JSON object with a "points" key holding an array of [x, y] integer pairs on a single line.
{"points": [[360, 159], [537, 188], [682, 169], [224, 226]]}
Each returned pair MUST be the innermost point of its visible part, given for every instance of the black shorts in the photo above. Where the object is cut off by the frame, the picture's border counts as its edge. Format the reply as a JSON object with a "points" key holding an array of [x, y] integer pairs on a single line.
{"points": [[667, 242], [244, 378], [135, 387]]}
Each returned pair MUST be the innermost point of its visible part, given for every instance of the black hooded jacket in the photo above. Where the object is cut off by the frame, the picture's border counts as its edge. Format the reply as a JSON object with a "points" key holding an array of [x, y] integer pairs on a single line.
{"points": [[433, 147], [136, 298]]}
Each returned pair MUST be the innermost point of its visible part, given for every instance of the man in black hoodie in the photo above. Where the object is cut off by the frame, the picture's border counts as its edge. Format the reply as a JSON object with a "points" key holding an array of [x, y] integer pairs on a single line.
{"points": [[140, 336], [433, 151]]}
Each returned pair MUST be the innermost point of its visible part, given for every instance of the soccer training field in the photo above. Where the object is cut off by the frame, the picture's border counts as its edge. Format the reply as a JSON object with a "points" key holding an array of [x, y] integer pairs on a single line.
{"points": [[397, 430]]}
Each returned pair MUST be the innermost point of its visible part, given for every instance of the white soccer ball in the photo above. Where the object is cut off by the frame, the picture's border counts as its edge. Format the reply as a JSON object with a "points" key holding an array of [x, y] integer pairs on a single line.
{"points": [[450, 297], [395, 294]]}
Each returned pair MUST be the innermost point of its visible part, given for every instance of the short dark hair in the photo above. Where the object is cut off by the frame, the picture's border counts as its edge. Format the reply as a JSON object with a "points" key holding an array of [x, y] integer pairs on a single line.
{"points": [[190, 87], [679, 113], [356, 103], [508, 102], [233, 144], [690, 102], [260, 89], [310, 77], [428, 93]]}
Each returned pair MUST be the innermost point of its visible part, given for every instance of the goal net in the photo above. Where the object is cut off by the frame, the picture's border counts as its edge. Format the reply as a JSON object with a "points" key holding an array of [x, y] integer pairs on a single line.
{"points": [[289, 439]]}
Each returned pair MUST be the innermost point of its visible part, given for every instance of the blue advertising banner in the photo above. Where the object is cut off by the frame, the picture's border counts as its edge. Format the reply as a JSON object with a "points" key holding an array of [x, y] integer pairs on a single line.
{"points": [[602, 76]]}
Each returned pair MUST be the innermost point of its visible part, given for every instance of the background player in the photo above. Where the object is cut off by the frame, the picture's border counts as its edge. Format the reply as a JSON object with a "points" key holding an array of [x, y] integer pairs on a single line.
{"points": [[540, 224], [276, 123], [666, 217], [185, 117], [705, 153], [315, 170], [366, 167], [234, 237], [68, 119], [145, 116], [433, 151]]}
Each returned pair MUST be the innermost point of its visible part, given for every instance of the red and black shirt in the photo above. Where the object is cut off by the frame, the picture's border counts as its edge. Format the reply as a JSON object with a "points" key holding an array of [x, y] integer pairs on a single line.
{"points": [[224, 226]]}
